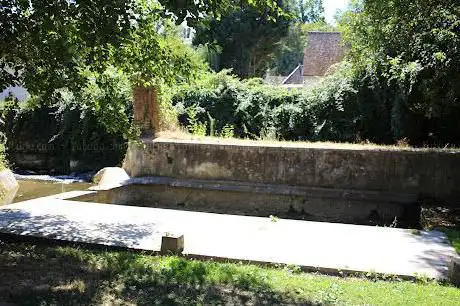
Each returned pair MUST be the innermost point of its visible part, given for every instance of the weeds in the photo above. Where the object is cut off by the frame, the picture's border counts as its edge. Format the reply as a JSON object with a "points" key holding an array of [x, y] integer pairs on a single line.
{"points": [[227, 131], [330, 296], [194, 126]]}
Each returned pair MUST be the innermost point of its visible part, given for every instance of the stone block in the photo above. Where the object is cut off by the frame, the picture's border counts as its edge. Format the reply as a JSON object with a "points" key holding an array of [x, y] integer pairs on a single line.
{"points": [[454, 271], [172, 243], [146, 111]]}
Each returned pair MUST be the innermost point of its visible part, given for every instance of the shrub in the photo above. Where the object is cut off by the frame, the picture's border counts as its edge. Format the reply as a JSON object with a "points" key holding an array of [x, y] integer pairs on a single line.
{"points": [[325, 112], [89, 127], [352, 104]]}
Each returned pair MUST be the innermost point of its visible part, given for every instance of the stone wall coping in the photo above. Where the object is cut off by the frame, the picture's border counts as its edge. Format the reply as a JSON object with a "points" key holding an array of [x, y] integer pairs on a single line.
{"points": [[301, 145], [324, 32]]}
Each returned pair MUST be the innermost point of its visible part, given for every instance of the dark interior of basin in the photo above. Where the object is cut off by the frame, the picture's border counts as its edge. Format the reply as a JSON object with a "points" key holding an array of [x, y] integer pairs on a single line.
{"points": [[321, 207]]}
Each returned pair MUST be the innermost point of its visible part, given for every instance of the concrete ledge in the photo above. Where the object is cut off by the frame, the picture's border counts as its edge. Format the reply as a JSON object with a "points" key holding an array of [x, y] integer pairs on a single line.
{"points": [[311, 192]]}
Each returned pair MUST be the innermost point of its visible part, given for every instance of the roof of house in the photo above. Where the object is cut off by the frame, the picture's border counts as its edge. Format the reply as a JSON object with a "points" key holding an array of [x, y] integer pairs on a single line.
{"points": [[323, 49]]}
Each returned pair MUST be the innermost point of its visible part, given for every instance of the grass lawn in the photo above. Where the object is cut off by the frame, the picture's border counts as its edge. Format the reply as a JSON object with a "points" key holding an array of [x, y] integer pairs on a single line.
{"points": [[36, 274], [454, 237]]}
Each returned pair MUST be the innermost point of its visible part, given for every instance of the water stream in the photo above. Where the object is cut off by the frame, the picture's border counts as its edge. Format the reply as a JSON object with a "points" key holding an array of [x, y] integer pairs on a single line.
{"points": [[36, 186]]}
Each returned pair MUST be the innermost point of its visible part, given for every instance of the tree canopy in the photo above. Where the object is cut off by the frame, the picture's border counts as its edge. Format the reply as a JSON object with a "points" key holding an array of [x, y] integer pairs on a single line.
{"points": [[249, 41], [308, 11], [411, 48], [45, 43], [246, 38]]}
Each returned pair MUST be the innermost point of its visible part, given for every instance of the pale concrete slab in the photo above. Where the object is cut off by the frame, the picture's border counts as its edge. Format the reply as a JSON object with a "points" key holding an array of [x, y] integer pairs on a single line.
{"points": [[326, 246]]}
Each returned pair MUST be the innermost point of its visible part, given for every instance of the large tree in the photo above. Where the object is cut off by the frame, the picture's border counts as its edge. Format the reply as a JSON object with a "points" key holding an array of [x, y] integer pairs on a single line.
{"points": [[88, 53], [410, 49], [46, 42], [249, 41], [308, 11], [246, 38]]}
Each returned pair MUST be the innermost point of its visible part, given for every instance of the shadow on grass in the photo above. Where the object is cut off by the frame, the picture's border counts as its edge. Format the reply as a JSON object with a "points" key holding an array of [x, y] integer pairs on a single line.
{"points": [[40, 275]]}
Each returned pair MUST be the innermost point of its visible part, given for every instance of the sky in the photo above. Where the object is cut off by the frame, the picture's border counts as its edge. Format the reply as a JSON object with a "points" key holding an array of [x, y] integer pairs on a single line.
{"points": [[331, 6]]}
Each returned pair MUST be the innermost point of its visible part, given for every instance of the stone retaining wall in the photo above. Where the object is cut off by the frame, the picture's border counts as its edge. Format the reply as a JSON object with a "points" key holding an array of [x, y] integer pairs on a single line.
{"points": [[429, 174]]}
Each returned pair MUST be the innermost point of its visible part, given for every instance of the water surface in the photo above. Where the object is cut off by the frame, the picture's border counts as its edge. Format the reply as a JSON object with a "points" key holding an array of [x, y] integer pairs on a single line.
{"points": [[32, 189]]}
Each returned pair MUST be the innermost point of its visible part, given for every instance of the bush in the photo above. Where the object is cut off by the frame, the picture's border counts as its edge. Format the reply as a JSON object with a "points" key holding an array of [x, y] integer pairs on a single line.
{"points": [[325, 112], [352, 105], [408, 60], [89, 128], [47, 139]]}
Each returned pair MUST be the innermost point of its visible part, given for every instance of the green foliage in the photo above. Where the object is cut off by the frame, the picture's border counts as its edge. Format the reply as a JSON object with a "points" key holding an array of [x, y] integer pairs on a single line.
{"points": [[453, 234], [194, 126], [293, 269], [156, 55], [308, 11], [68, 130], [10, 103], [45, 43], [400, 82], [407, 53], [244, 38], [227, 131], [72, 275], [217, 9], [107, 96], [76, 50], [330, 296], [257, 111], [248, 41]]}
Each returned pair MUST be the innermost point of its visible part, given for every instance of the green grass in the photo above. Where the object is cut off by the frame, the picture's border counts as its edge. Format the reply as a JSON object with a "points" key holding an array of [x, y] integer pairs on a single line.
{"points": [[454, 237], [183, 135], [33, 274]]}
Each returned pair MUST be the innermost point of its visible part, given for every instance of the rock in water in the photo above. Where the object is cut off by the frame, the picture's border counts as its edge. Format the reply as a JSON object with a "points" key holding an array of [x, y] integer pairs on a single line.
{"points": [[110, 177]]}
